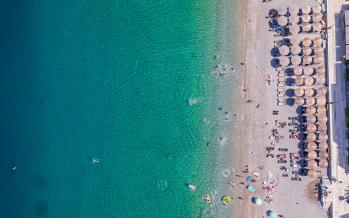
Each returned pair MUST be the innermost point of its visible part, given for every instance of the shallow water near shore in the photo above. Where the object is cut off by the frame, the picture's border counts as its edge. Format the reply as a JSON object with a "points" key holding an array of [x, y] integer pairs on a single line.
{"points": [[127, 83]]}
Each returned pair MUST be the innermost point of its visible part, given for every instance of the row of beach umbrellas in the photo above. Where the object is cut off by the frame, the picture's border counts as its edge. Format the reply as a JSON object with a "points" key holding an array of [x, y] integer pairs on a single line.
{"points": [[296, 50], [304, 10], [311, 101], [316, 19], [298, 60], [308, 71], [312, 146], [309, 92]]}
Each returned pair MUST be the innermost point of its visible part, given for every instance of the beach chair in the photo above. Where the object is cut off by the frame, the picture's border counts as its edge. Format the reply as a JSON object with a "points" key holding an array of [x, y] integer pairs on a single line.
{"points": [[248, 179]]}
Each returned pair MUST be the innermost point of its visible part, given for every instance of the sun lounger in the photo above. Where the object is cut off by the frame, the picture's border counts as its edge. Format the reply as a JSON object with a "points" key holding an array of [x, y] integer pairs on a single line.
{"points": [[285, 174], [283, 149], [251, 188], [282, 161]]}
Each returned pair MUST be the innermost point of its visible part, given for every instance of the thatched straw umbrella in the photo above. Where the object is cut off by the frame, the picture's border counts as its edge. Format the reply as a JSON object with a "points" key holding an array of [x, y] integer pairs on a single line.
{"points": [[323, 146], [317, 17], [311, 119], [317, 27], [294, 41], [306, 27], [318, 50], [320, 70], [299, 81], [312, 174], [321, 100], [306, 18], [310, 110], [306, 9], [284, 50], [323, 163], [311, 164], [317, 9], [322, 118], [307, 51], [312, 155], [309, 92], [293, 10], [322, 128], [321, 80], [308, 81], [318, 59], [307, 60], [321, 91], [299, 101], [311, 127], [310, 101], [322, 137], [282, 21], [296, 49], [311, 146], [284, 61], [308, 71], [298, 91], [321, 110], [282, 10], [298, 71], [317, 41], [294, 29], [323, 155], [306, 42], [296, 60]]}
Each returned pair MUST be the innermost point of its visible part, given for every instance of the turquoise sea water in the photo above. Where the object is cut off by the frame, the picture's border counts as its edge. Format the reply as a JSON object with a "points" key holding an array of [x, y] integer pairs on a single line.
{"points": [[110, 80]]}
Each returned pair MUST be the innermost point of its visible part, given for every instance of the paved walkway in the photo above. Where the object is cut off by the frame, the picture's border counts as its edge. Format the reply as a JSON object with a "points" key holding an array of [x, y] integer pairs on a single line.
{"points": [[336, 77]]}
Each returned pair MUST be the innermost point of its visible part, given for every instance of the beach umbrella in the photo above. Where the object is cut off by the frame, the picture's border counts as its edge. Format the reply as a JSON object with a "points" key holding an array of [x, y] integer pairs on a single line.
{"points": [[320, 80], [317, 9], [309, 92], [294, 41], [282, 10], [317, 17], [296, 60], [312, 155], [322, 119], [311, 119], [299, 101], [296, 49], [323, 146], [298, 91], [318, 50], [306, 27], [306, 9], [323, 163], [319, 59], [307, 51], [308, 71], [273, 13], [271, 214], [306, 42], [321, 100], [321, 110], [312, 164], [298, 71], [306, 18], [284, 61], [310, 110], [308, 81], [322, 127], [294, 29], [317, 27], [320, 70], [284, 50], [311, 127], [307, 60], [312, 173], [321, 91], [322, 137], [299, 81], [282, 21], [226, 199], [310, 101], [257, 200], [293, 10], [323, 155], [318, 41]]}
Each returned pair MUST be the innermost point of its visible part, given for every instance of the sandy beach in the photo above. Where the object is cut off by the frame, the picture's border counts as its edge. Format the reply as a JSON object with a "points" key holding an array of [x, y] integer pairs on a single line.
{"points": [[291, 198]]}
